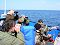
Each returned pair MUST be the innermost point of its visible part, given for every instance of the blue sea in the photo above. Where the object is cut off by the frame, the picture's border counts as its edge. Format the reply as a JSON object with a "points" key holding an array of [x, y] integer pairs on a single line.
{"points": [[49, 17]]}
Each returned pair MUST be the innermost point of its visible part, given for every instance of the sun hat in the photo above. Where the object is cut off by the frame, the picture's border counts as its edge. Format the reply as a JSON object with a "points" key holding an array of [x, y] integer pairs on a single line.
{"points": [[11, 12]]}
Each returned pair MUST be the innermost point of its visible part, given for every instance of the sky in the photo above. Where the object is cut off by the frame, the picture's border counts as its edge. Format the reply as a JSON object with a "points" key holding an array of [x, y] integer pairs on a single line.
{"points": [[30, 4]]}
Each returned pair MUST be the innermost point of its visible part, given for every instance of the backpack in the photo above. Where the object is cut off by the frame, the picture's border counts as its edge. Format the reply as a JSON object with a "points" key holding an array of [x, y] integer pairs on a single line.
{"points": [[7, 39]]}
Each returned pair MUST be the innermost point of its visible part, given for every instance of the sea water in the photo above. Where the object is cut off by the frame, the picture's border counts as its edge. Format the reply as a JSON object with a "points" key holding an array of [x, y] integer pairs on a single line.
{"points": [[49, 17]]}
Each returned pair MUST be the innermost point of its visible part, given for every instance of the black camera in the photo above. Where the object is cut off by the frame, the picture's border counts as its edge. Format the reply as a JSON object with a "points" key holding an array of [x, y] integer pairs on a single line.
{"points": [[15, 12], [16, 17]]}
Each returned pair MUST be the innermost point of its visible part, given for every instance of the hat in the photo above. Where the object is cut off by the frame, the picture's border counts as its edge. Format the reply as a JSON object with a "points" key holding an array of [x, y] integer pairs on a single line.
{"points": [[11, 12]]}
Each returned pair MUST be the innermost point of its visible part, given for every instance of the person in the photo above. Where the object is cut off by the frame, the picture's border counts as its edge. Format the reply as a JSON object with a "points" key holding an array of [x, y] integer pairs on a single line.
{"points": [[41, 28], [8, 21], [38, 32], [29, 33], [10, 18], [38, 25], [5, 34]]}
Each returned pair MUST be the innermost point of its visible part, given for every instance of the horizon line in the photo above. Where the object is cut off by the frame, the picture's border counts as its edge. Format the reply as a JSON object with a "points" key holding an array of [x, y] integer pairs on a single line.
{"points": [[28, 9]]}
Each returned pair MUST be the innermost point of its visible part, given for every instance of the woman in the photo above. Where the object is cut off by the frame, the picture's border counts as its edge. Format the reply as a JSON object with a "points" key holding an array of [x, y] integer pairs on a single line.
{"points": [[5, 34]]}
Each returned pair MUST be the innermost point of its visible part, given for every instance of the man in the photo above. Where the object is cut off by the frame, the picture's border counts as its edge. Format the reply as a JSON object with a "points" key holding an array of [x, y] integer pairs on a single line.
{"points": [[40, 29], [29, 33]]}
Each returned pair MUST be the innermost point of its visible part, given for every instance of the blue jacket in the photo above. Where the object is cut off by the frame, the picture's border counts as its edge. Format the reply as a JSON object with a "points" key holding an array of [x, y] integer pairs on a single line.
{"points": [[29, 34]]}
